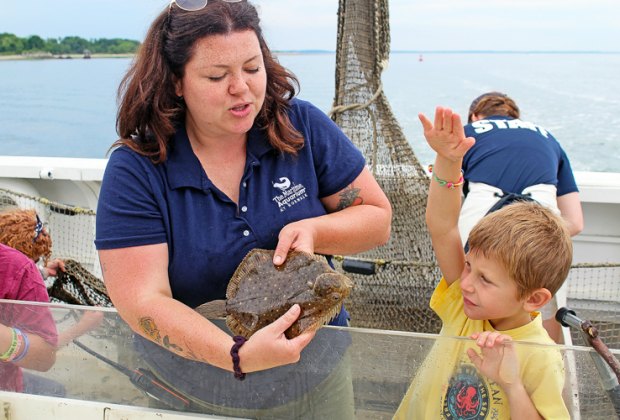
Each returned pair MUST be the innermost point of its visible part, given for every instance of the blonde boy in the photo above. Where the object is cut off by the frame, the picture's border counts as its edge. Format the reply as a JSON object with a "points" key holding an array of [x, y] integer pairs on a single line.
{"points": [[519, 256]]}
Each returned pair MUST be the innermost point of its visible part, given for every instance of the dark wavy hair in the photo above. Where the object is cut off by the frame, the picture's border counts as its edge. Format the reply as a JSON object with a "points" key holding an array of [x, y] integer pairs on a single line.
{"points": [[150, 110], [493, 103]]}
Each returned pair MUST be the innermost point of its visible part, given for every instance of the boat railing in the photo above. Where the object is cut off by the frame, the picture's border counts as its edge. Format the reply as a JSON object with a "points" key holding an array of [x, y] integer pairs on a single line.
{"points": [[344, 373]]}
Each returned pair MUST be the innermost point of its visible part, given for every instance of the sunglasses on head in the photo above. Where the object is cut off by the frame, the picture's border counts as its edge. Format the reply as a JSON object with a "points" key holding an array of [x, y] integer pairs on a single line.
{"points": [[194, 5]]}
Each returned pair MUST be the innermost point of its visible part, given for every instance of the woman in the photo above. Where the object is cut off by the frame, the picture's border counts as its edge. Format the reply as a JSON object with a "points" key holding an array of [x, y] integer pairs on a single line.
{"points": [[216, 157]]}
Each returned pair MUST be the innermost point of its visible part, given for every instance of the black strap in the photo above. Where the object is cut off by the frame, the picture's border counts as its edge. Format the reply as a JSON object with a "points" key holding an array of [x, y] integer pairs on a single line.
{"points": [[506, 198]]}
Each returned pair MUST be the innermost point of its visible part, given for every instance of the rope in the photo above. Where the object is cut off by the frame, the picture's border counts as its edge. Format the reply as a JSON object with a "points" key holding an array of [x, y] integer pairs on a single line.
{"points": [[380, 262], [342, 108], [596, 265], [54, 206]]}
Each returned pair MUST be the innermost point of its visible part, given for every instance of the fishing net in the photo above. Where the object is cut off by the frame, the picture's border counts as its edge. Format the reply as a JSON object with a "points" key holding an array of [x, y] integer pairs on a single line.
{"points": [[396, 297], [593, 293], [78, 286]]}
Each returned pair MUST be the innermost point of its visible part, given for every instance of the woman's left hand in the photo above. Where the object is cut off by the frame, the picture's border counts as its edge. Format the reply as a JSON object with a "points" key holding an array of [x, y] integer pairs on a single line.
{"points": [[296, 236], [357, 218]]}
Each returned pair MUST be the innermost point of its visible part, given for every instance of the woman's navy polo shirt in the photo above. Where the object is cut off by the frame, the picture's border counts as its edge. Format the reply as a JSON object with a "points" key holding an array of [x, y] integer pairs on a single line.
{"points": [[208, 234]]}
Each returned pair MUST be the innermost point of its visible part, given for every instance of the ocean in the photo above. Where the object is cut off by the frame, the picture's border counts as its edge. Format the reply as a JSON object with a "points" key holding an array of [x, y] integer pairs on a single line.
{"points": [[68, 107]]}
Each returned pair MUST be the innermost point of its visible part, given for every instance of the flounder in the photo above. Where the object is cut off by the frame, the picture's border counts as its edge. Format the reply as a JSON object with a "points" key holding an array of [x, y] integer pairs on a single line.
{"points": [[260, 292]]}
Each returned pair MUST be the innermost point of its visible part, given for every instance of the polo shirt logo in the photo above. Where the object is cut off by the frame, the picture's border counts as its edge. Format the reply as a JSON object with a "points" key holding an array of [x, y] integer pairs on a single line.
{"points": [[290, 193], [284, 183]]}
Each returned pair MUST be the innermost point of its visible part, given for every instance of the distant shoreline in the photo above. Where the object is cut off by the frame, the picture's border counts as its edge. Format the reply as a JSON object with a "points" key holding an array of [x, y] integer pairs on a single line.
{"points": [[61, 57]]}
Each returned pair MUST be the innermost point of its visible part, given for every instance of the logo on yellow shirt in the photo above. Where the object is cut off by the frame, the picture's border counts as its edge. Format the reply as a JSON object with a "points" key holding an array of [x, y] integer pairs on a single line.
{"points": [[467, 397]]}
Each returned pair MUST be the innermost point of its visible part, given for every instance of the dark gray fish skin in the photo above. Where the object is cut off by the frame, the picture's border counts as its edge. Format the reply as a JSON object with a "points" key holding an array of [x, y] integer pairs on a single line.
{"points": [[260, 292]]}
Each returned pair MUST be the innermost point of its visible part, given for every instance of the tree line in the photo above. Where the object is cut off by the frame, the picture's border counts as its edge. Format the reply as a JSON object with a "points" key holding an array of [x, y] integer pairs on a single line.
{"points": [[12, 44]]}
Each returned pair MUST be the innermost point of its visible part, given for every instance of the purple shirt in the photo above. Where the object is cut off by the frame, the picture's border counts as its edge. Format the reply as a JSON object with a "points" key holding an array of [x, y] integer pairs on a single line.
{"points": [[20, 280]]}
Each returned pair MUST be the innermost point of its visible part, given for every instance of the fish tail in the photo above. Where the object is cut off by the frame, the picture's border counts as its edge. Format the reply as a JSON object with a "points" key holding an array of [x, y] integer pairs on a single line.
{"points": [[213, 309]]}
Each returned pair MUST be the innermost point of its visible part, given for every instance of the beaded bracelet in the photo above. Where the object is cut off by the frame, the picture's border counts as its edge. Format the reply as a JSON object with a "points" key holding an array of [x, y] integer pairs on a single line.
{"points": [[447, 184], [25, 348], [234, 352]]}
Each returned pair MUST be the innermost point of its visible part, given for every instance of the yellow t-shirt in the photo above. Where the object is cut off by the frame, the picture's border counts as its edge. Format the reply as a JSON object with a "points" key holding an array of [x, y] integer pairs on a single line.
{"points": [[448, 385]]}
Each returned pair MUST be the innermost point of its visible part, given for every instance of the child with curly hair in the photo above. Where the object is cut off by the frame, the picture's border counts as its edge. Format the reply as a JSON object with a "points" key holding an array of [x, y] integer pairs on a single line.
{"points": [[23, 230]]}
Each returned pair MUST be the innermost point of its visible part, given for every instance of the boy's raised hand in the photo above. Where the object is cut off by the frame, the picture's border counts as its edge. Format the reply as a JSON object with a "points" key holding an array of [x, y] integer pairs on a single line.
{"points": [[446, 136]]}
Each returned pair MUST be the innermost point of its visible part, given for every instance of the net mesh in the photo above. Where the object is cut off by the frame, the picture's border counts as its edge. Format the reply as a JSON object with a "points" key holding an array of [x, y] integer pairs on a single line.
{"points": [[593, 293], [397, 296]]}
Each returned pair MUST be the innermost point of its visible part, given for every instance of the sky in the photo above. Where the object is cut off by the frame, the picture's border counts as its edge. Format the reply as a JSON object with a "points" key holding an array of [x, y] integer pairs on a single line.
{"points": [[454, 25]]}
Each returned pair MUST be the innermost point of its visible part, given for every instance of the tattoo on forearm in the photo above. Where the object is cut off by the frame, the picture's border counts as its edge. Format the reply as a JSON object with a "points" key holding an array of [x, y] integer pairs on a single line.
{"points": [[171, 346], [349, 197], [149, 328]]}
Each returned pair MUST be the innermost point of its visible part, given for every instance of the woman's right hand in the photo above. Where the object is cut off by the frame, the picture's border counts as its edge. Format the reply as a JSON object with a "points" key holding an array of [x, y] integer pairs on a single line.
{"points": [[269, 347], [296, 236]]}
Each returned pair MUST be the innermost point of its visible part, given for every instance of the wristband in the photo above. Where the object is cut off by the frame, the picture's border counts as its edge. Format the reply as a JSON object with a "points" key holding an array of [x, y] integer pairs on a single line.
{"points": [[447, 184], [24, 350], [15, 347], [234, 352]]}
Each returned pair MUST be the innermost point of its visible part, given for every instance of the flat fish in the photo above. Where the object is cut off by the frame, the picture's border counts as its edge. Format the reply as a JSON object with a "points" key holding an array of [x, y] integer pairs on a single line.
{"points": [[260, 292]]}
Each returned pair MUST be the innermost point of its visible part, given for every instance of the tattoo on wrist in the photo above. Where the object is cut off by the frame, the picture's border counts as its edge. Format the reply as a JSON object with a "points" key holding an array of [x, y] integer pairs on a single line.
{"points": [[349, 197]]}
